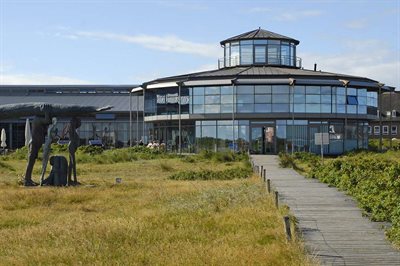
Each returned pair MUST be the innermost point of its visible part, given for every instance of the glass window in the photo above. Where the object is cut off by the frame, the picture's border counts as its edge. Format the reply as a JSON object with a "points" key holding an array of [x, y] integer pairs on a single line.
{"points": [[227, 98], [198, 99], [362, 109], [245, 108], [198, 108], [326, 98], [198, 91], [245, 89], [262, 108], [262, 98], [325, 108], [299, 108], [260, 41], [362, 92], [362, 100], [341, 91], [341, 99], [377, 130], [234, 56], [394, 130], [341, 108], [285, 54], [299, 98], [313, 98], [211, 108], [280, 89], [212, 90], [260, 54], [352, 109], [325, 90], [213, 99], [352, 100], [280, 98], [280, 108], [263, 89], [226, 90], [351, 91], [245, 98], [299, 89], [313, 90], [273, 54], [226, 108], [246, 53], [313, 108]]}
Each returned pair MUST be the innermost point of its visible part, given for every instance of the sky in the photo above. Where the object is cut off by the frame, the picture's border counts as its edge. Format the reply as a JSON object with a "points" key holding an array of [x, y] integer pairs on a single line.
{"points": [[131, 42]]}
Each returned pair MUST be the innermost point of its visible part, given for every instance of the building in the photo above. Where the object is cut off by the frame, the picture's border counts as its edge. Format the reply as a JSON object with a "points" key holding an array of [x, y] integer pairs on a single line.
{"points": [[389, 125], [109, 128], [261, 100]]}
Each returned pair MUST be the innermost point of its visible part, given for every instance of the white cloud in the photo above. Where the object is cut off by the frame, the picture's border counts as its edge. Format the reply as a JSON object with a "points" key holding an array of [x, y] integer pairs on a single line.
{"points": [[383, 66], [38, 79], [356, 24], [202, 68], [286, 15], [168, 43]]}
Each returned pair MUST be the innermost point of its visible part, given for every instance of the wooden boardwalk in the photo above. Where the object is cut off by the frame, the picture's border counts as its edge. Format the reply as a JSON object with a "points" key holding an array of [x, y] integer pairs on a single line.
{"points": [[333, 228]]}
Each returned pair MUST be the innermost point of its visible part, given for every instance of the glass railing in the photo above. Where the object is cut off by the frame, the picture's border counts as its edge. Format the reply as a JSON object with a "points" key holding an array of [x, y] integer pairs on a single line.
{"points": [[274, 61]]}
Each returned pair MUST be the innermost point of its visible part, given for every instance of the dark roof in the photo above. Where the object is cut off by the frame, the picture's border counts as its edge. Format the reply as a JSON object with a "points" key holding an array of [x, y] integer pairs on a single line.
{"points": [[261, 72], [259, 34]]}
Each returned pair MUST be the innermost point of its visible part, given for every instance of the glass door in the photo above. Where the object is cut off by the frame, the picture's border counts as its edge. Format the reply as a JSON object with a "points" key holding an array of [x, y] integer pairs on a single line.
{"points": [[269, 140], [263, 140]]}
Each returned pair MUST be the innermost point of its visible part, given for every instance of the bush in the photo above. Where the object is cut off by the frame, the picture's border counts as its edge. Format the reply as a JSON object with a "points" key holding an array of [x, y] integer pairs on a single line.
{"points": [[228, 174]]}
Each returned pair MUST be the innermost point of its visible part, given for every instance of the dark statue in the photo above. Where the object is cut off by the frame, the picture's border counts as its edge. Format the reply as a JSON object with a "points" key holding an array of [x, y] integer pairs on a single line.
{"points": [[45, 122], [58, 173]]}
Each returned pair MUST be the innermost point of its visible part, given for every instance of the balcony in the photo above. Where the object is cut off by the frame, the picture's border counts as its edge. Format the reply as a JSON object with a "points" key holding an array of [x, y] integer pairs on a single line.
{"points": [[275, 61]]}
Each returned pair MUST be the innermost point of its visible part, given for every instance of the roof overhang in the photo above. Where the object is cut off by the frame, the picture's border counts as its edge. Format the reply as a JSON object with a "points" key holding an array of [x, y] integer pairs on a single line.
{"points": [[214, 82], [162, 85], [263, 81], [137, 89]]}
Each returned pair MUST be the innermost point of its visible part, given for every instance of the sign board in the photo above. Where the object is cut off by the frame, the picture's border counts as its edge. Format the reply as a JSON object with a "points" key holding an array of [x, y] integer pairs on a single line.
{"points": [[321, 138]]}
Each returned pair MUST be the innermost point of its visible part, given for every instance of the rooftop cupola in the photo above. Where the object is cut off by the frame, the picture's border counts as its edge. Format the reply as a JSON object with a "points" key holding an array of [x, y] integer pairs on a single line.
{"points": [[260, 47]]}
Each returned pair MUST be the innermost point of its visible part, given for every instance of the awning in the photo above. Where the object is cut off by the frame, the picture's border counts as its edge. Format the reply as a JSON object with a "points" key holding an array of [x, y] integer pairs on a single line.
{"points": [[262, 81], [334, 82], [210, 82], [162, 85], [136, 89]]}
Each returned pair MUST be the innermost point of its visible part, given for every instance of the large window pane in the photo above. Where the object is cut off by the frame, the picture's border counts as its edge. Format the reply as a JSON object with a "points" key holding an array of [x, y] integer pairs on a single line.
{"points": [[211, 109], [226, 108], [313, 108], [262, 108], [227, 98], [245, 89], [299, 108], [213, 99], [299, 98], [245, 108], [198, 91], [226, 90], [273, 54], [313, 90], [245, 98], [260, 54], [263, 89], [211, 90], [280, 108], [198, 99], [285, 55], [326, 98], [246, 54], [262, 98], [234, 59], [198, 109], [280, 89], [280, 98], [313, 98]]}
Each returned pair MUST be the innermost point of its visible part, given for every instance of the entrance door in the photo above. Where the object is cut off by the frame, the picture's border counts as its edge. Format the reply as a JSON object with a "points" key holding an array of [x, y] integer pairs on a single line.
{"points": [[263, 140]]}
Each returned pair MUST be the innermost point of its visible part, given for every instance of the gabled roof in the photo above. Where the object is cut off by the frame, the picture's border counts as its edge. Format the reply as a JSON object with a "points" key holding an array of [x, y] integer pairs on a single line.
{"points": [[259, 34]]}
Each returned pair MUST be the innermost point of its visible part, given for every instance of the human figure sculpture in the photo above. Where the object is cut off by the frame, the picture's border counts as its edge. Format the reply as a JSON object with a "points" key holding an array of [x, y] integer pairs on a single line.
{"points": [[51, 135], [73, 145], [39, 128]]}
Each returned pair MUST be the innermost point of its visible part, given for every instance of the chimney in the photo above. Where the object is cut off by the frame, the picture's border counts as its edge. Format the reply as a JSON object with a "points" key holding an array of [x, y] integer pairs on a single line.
{"points": [[315, 67]]}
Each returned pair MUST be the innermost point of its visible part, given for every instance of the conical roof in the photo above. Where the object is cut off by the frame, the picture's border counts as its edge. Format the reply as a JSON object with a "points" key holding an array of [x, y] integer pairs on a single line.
{"points": [[259, 34]]}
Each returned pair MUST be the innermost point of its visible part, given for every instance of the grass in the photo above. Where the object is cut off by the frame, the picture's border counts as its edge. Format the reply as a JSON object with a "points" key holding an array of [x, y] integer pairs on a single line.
{"points": [[148, 219]]}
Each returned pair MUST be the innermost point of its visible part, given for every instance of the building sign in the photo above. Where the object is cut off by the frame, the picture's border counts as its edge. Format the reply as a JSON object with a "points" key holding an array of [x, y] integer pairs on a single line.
{"points": [[321, 138], [171, 98]]}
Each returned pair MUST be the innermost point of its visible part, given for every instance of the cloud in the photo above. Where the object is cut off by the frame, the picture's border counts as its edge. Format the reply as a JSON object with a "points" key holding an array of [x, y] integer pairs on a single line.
{"points": [[38, 79], [356, 24], [286, 15], [380, 64], [168, 43]]}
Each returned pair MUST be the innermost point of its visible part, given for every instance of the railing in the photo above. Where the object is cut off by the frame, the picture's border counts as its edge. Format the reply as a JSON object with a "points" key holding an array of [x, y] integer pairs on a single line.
{"points": [[271, 61]]}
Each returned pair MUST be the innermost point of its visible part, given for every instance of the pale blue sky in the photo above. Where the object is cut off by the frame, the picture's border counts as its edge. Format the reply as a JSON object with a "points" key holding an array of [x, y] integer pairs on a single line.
{"points": [[131, 42]]}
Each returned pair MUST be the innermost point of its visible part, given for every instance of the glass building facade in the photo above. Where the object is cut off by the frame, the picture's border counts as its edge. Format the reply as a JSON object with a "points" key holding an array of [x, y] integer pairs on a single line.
{"points": [[260, 100]]}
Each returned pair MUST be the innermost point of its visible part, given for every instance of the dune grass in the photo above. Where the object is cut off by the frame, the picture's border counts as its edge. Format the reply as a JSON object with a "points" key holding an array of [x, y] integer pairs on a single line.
{"points": [[148, 219]]}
